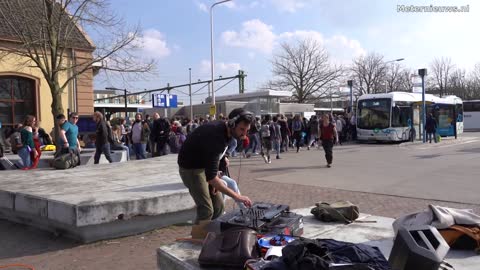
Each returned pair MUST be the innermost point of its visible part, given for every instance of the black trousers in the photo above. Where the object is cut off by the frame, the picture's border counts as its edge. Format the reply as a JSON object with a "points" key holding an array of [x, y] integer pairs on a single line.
{"points": [[328, 148]]}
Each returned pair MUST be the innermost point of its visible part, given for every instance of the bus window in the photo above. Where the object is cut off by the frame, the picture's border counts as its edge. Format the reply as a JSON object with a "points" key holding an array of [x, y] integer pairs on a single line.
{"points": [[374, 113], [400, 116], [459, 111]]}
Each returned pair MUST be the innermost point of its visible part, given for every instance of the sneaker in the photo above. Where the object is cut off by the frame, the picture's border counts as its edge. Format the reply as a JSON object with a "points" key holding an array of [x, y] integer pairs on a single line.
{"points": [[278, 157], [329, 165], [308, 147], [265, 159], [269, 161]]}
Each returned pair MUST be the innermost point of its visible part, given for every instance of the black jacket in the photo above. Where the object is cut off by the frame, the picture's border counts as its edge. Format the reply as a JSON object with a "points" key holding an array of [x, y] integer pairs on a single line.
{"points": [[101, 134], [204, 148], [310, 254], [158, 126]]}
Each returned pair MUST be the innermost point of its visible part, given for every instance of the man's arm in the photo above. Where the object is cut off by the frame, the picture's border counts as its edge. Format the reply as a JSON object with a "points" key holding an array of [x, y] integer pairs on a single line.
{"points": [[63, 136], [79, 148], [217, 183], [335, 133]]}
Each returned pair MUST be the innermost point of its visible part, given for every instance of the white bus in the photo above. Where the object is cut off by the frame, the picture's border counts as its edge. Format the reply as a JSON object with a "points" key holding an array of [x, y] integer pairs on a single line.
{"points": [[471, 114], [396, 116]]}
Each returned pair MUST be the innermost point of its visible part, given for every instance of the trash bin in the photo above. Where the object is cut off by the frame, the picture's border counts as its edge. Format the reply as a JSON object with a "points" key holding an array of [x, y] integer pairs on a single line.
{"points": [[418, 247]]}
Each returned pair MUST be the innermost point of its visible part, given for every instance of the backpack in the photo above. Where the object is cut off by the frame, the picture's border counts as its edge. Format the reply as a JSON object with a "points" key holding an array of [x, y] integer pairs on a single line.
{"points": [[174, 141], [265, 130], [110, 138], [16, 142], [297, 125], [341, 211], [66, 161]]}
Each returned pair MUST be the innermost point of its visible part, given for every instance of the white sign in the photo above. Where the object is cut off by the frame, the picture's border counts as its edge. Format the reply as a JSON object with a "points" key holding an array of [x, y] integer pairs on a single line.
{"points": [[417, 84]]}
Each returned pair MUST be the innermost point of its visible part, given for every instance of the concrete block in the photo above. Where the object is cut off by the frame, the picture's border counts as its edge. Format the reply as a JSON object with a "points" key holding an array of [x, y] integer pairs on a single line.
{"points": [[98, 213], [32, 205], [91, 203], [7, 199], [62, 212]]}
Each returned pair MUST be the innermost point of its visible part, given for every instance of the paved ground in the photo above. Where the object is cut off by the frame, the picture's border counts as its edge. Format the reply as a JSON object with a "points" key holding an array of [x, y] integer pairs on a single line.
{"points": [[298, 180]]}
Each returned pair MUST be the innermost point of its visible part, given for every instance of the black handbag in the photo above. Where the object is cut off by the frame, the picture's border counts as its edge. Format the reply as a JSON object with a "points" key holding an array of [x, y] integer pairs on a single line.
{"points": [[229, 249]]}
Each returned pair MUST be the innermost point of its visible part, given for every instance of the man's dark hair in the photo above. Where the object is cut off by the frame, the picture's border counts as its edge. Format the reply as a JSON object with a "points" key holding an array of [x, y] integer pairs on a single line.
{"points": [[73, 114], [241, 115], [275, 119], [60, 116]]}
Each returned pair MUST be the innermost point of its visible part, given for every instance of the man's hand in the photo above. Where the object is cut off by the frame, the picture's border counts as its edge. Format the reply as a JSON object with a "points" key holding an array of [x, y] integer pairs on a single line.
{"points": [[79, 149], [245, 200]]}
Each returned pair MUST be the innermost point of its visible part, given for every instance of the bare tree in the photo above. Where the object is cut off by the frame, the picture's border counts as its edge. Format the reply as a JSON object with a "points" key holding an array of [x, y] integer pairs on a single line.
{"points": [[394, 76], [369, 71], [441, 69], [304, 69], [47, 34], [472, 89], [457, 83], [405, 80]]}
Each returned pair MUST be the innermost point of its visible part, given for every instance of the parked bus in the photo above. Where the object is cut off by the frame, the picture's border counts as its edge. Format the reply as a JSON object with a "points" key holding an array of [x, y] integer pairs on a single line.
{"points": [[396, 116], [471, 114]]}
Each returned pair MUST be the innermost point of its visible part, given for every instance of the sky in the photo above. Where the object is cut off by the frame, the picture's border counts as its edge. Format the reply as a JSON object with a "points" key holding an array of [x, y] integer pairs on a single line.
{"points": [[247, 34]]}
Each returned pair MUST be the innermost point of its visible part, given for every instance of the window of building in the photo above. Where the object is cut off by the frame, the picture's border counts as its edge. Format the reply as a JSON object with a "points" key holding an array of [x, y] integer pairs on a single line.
{"points": [[17, 99]]}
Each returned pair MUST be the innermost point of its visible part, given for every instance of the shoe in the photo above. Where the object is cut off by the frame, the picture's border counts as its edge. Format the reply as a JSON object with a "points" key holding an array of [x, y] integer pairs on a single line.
{"points": [[278, 157], [265, 159], [298, 150], [269, 161], [329, 165], [308, 147]]}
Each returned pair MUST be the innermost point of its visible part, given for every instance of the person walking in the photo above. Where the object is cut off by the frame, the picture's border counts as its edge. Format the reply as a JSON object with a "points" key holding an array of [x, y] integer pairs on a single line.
{"points": [[297, 127], [314, 130], [102, 144], [328, 134], [198, 163]]}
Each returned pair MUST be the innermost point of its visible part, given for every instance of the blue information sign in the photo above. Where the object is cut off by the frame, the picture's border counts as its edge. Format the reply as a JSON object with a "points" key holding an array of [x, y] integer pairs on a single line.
{"points": [[164, 101]]}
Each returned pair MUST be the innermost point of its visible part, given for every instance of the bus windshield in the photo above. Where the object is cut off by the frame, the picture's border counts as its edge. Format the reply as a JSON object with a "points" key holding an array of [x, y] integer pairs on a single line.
{"points": [[374, 113]]}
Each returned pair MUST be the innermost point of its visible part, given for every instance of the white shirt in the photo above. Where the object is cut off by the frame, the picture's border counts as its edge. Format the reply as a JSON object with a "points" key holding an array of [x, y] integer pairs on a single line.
{"points": [[339, 125]]}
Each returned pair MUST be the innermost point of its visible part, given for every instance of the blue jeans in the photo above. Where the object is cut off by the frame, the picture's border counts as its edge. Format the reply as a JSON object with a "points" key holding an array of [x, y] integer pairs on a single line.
{"points": [[276, 146], [139, 149], [232, 184], [429, 137], [122, 147], [25, 156], [254, 142], [105, 149]]}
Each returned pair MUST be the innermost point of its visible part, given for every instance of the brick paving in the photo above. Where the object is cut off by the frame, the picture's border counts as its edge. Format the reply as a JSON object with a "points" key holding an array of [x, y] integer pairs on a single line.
{"points": [[21, 244]]}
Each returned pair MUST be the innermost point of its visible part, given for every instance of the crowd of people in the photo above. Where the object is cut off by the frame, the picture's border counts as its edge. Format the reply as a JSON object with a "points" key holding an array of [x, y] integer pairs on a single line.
{"points": [[151, 136]]}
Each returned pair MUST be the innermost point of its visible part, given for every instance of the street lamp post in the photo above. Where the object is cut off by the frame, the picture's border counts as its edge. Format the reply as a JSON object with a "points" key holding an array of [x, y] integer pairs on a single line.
{"points": [[190, 93], [423, 72], [392, 61], [212, 58], [350, 86]]}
